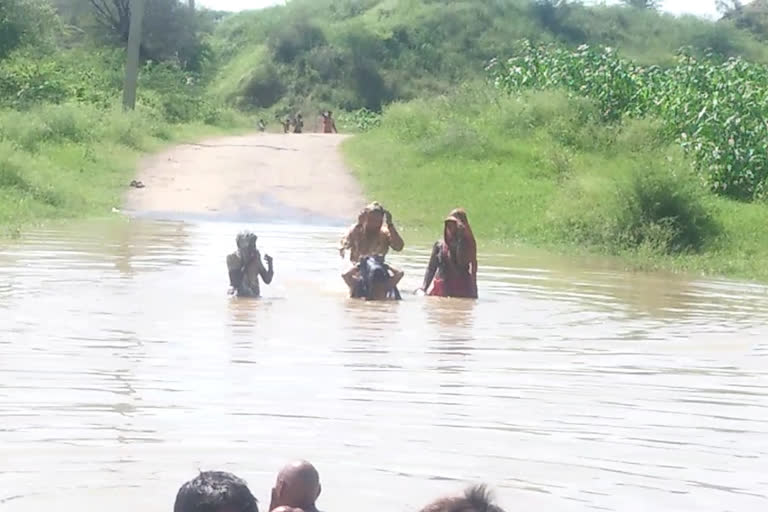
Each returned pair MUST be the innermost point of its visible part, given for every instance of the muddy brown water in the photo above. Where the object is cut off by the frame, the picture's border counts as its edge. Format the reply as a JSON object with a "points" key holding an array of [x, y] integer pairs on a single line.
{"points": [[125, 368]]}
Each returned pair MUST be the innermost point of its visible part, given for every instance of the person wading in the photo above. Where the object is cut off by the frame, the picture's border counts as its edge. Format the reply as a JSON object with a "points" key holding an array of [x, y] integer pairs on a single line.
{"points": [[245, 267], [297, 487], [453, 262], [369, 236]]}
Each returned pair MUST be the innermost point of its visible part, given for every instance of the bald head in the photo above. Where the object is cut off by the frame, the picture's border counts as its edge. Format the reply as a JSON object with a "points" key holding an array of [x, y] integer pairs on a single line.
{"points": [[297, 485]]}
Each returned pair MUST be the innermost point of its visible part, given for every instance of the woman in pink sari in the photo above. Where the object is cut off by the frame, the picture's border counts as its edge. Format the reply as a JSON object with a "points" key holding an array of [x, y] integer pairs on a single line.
{"points": [[452, 269]]}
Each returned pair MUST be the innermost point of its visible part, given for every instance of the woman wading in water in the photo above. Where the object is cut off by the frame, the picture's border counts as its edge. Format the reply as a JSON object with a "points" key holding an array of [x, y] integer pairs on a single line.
{"points": [[453, 263]]}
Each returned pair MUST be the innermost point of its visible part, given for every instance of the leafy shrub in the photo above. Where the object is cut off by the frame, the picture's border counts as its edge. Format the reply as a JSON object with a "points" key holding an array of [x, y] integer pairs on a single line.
{"points": [[359, 120], [25, 22], [645, 206], [291, 40]]}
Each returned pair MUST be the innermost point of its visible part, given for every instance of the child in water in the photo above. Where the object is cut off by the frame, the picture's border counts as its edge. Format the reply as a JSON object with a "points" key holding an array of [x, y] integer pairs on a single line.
{"points": [[372, 279]]}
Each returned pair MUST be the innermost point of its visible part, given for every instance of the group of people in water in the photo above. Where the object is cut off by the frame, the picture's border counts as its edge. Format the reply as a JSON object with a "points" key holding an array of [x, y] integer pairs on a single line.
{"points": [[296, 489], [295, 124], [451, 271]]}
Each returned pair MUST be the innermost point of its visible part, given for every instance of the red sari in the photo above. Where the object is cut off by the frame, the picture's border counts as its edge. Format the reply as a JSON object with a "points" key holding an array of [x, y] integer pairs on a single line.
{"points": [[454, 270]]}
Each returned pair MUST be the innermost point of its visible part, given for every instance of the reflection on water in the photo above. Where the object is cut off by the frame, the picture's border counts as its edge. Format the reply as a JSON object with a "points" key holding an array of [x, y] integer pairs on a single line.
{"points": [[125, 367]]}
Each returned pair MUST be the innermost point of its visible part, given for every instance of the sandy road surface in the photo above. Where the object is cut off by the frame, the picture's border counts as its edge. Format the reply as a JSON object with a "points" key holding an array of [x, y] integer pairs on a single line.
{"points": [[261, 177]]}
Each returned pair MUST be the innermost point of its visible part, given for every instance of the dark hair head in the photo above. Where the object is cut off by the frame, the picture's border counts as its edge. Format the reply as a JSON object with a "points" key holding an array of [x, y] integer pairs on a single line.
{"points": [[373, 270], [215, 491], [475, 499]]}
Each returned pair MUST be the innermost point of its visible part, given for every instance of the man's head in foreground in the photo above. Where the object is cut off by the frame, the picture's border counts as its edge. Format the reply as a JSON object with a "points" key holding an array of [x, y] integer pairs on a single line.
{"points": [[215, 491], [475, 499], [297, 486]]}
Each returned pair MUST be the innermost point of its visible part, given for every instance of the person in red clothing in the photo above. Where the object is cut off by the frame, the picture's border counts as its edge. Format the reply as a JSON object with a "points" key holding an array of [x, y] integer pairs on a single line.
{"points": [[329, 125], [452, 269]]}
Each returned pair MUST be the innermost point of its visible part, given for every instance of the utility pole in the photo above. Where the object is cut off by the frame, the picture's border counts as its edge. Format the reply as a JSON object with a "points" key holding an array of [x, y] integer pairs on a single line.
{"points": [[132, 58]]}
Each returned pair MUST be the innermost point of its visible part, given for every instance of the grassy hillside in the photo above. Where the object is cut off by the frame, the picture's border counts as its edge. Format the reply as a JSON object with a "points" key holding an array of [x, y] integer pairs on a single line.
{"points": [[355, 54]]}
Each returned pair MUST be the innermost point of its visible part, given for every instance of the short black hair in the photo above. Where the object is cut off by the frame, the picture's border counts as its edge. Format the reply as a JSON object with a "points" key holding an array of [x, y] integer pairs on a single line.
{"points": [[215, 491]]}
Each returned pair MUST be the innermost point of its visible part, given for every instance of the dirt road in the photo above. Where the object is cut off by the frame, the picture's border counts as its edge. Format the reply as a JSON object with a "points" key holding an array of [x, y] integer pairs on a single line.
{"points": [[261, 177]]}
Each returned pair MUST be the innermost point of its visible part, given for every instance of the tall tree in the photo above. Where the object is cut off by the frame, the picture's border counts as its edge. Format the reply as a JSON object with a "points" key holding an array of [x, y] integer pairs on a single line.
{"points": [[729, 7]]}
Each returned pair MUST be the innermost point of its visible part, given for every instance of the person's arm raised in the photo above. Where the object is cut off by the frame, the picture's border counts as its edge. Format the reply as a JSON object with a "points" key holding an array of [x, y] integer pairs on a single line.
{"points": [[266, 273], [395, 240]]}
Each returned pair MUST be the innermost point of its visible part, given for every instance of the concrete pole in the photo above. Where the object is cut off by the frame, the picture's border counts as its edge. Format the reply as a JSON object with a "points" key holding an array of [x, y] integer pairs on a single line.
{"points": [[132, 59]]}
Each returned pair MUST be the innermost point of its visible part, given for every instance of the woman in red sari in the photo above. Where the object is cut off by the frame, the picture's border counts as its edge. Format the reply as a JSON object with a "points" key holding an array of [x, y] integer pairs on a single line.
{"points": [[452, 268]]}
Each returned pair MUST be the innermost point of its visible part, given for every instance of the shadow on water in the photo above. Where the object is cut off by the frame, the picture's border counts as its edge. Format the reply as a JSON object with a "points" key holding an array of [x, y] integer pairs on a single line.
{"points": [[570, 384]]}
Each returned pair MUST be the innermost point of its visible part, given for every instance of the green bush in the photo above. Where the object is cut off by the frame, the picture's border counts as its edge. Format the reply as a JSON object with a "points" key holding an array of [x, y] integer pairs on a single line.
{"points": [[26, 22], [51, 123], [716, 108], [293, 39], [13, 177], [642, 206]]}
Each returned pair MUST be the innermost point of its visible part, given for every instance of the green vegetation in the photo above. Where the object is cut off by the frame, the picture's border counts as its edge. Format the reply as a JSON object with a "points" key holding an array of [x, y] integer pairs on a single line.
{"points": [[66, 146], [64, 161], [353, 54], [543, 168], [658, 156], [716, 109]]}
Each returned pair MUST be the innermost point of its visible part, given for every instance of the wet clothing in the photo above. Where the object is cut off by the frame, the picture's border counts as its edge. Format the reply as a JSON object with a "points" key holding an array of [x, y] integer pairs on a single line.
{"points": [[450, 278], [360, 245], [370, 272], [452, 268], [244, 275]]}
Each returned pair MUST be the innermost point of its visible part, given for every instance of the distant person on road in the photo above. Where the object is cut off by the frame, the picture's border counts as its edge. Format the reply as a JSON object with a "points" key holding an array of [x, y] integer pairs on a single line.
{"points": [[245, 267], [369, 236], [372, 279], [453, 262], [262, 125], [475, 499], [298, 124], [297, 487], [329, 125], [215, 491], [286, 123]]}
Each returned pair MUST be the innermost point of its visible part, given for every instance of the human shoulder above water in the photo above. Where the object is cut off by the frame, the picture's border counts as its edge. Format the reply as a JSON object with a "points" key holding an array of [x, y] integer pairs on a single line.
{"points": [[297, 486], [452, 267], [373, 279], [245, 266]]}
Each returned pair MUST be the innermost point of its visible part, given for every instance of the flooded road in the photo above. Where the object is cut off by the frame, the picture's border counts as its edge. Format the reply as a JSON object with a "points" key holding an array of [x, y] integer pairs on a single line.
{"points": [[125, 368]]}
